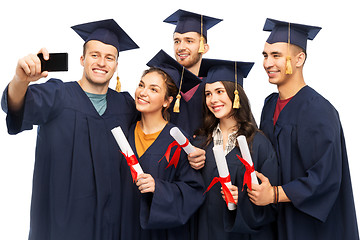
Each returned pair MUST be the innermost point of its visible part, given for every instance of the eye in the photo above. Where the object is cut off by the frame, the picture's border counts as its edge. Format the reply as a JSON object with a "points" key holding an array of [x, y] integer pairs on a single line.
{"points": [[110, 58], [154, 90], [141, 85], [94, 55], [207, 94], [176, 41], [220, 91]]}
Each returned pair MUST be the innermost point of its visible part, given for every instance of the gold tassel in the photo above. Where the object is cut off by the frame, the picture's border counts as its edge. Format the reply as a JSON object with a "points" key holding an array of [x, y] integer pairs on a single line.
{"points": [[118, 84], [202, 47], [236, 100], [288, 69], [177, 104]]}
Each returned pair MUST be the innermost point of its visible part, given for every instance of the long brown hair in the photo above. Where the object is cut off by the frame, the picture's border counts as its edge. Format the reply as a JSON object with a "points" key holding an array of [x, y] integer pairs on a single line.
{"points": [[171, 88], [245, 122]]}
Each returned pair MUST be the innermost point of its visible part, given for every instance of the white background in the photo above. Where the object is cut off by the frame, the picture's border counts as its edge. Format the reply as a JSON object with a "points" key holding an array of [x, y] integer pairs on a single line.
{"points": [[26, 26]]}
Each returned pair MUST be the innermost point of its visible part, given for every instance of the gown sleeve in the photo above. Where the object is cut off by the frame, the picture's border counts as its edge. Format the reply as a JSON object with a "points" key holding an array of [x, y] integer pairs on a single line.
{"points": [[42, 103], [320, 152], [173, 202]]}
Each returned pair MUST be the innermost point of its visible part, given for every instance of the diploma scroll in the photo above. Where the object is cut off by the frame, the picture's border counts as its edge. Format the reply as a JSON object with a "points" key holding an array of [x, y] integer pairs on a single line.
{"points": [[127, 152], [182, 140], [244, 149], [223, 169]]}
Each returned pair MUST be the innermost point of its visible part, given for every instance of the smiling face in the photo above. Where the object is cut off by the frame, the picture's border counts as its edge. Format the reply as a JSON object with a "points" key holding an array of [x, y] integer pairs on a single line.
{"points": [[217, 100], [186, 48], [99, 62], [150, 94]]}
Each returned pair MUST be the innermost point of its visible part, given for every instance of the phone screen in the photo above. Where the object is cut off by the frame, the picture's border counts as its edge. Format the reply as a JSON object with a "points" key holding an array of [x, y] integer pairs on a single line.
{"points": [[57, 62]]}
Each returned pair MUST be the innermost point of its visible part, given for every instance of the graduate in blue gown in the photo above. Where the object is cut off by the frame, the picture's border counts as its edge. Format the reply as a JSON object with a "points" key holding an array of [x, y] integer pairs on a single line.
{"points": [[76, 184], [228, 115], [190, 44], [315, 196], [162, 200]]}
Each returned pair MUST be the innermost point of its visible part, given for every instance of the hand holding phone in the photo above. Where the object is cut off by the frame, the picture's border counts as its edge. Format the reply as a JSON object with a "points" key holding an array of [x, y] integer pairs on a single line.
{"points": [[56, 62]]}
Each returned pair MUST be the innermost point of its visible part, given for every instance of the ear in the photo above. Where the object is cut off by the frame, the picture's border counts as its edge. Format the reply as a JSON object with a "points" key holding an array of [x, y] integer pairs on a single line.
{"points": [[82, 59], [300, 59], [206, 48], [168, 101]]}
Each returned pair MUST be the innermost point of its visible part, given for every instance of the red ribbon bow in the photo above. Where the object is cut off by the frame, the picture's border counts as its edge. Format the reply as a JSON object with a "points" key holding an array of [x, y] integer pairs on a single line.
{"points": [[175, 158], [247, 175], [131, 161], [227, 193]]}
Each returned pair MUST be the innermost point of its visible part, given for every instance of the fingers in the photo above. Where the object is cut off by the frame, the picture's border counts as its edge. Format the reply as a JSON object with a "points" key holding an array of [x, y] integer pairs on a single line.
{"points": [[261, 177], [234, 192], [197, 158], [45, 53], [145, 183]]}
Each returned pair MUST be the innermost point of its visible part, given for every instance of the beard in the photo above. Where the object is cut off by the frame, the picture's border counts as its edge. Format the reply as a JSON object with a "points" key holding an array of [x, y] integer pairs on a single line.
{"points": [[191, 61]]}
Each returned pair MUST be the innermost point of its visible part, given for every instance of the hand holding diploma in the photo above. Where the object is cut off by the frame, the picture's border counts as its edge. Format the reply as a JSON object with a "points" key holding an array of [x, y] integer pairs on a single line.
{"points": [[224, 177], [250, 175], [128, 153], [196, 156]]}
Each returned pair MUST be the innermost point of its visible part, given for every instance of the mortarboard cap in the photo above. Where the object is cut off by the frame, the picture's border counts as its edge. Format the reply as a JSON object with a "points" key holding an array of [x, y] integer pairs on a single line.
{"points": [[174, 69], [192, 22], [106, 31], [299, 33], [183, 78], [223, 70]]}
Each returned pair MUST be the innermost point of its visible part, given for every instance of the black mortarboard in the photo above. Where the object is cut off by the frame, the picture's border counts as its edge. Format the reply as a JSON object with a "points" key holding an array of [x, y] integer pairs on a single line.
{"points": [[183, 78], [224, 70], [299, 33], [192, 22], [106, 31]]}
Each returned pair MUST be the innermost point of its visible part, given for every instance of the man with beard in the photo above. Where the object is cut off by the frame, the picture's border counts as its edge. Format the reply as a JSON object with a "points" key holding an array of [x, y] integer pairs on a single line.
{"points": [[190, 43], [76, 183]]}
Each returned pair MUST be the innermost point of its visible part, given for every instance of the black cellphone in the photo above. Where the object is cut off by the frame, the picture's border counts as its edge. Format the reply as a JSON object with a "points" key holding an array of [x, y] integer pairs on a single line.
{"points": [[57, 62]]}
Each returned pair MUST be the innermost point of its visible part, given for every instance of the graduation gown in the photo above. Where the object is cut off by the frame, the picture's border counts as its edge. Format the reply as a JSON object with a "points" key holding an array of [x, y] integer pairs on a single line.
{"points": [[190, 116], [214, 221], [178, 194], [76, 183], [309, 141]]}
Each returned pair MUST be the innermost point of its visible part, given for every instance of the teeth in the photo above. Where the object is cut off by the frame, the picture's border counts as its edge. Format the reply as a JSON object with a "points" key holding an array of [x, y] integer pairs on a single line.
{"points": [[99, 71], [141, 100]]}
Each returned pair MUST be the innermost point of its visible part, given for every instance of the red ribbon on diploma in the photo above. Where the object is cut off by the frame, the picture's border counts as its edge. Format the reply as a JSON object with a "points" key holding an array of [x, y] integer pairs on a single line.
{"points": [[247, 175], [175, 158], [131, 161], [227, 193]]}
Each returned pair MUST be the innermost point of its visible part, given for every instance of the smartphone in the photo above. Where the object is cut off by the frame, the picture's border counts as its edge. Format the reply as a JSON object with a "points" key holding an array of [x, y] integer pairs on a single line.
{"points": [[57, 62]]}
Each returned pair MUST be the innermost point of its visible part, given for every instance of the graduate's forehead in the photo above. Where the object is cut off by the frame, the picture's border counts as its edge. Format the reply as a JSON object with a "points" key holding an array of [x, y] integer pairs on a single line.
{"points": [[214, 86], [153, 79], [98, 46], [187, 35], [278, 47]]}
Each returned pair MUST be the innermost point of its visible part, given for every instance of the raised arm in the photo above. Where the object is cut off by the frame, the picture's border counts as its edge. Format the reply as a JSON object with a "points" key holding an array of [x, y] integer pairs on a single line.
{"points": [[28, 70]]}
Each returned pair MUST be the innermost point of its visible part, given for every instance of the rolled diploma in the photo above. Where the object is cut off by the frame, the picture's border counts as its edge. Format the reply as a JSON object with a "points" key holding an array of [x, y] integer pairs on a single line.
{"points": [[181, 140], [222, 168], [244, 149], [125, 146]]}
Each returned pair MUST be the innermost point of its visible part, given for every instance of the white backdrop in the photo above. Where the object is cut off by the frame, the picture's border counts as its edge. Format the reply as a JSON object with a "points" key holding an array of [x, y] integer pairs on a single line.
{"points": [[26, 26]]}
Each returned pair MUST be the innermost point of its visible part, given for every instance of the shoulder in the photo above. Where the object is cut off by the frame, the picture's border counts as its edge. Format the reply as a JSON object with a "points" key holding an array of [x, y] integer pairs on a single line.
{"points": [[272, 97]]}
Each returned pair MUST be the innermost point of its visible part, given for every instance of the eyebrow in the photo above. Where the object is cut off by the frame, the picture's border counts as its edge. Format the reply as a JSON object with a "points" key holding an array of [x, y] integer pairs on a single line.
{"points": [[272, 53]]}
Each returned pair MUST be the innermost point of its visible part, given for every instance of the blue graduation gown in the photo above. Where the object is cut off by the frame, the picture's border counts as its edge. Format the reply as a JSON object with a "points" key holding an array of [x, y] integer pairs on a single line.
{"points": [[190, 116], [178, 194], [309, 141], [76, 183], [248, 221]]}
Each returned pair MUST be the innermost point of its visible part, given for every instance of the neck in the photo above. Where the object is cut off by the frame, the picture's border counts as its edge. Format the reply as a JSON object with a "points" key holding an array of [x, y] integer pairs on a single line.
{"points": [[291, 87], [227, 125], [152, 123], [194, 69], [90, 87]]}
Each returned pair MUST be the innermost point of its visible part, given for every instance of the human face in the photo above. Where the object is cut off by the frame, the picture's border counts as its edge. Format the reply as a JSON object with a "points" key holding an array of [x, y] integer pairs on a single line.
{"points": [[150, 94], [275, 62], [186, 48], [99, 62], [217, 100]]}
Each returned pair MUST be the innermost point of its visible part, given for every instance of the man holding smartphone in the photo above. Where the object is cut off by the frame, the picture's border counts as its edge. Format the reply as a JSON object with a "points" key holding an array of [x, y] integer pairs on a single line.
{"points": [[76, 183]]}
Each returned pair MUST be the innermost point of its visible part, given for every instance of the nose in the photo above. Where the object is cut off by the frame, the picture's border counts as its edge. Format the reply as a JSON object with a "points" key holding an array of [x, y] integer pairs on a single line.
{"points": [[101, 61], [181, 46], [268, 62]]}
